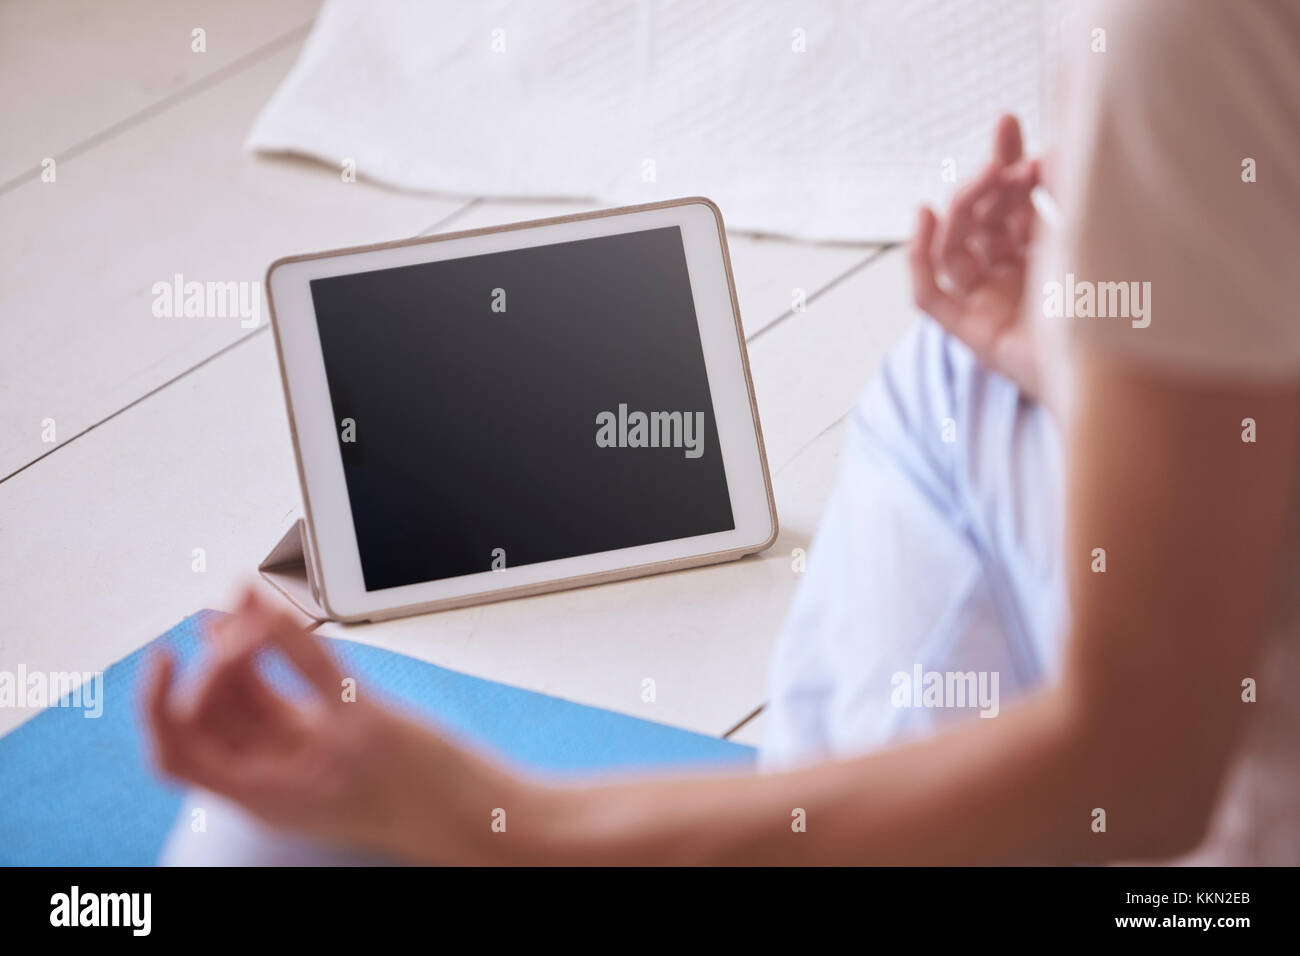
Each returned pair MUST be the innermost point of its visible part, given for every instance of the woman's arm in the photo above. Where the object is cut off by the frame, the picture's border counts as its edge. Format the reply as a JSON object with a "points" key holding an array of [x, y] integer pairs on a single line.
{"points": [[1141, 725]]}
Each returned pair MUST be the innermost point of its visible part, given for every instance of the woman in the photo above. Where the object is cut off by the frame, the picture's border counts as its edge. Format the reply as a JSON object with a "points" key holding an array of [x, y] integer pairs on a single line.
{"points": [[1136, 605]]}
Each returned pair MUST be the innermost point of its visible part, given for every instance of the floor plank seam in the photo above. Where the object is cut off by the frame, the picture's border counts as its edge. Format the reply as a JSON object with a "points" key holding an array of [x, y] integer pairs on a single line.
{"points": [[161, 106], [136, 401], [812, 441], [841, 278]]}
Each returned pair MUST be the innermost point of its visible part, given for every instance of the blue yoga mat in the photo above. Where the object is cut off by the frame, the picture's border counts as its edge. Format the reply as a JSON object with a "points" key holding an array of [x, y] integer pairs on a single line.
{"points": [[78, 791]]}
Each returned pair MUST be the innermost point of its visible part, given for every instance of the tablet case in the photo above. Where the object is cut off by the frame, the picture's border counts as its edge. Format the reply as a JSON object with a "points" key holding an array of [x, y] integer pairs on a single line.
{"points": [[290, 567]]}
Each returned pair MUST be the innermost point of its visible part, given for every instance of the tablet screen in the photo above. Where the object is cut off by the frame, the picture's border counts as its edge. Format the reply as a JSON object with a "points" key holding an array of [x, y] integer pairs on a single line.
{"points": [[521, 406]]}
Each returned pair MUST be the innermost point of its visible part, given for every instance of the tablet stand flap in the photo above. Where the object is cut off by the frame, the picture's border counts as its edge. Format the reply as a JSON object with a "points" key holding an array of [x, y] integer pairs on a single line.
{"points": [[287, 569]]}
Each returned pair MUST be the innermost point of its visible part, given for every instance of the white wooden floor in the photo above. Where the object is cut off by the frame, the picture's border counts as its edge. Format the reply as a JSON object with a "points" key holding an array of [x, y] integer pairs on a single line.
{"points": [[170, 434]]}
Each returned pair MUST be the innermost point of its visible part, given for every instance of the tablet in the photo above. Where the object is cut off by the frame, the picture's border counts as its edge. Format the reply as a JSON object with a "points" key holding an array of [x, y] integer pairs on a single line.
{"points": [[505, 411]]}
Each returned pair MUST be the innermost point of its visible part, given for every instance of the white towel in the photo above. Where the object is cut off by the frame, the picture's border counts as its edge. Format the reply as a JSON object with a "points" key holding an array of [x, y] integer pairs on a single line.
{"points": [[819, 120]]}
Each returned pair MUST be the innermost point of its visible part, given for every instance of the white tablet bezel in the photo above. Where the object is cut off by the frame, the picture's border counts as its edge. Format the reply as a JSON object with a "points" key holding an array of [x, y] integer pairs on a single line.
{"points": [[333, 544]]}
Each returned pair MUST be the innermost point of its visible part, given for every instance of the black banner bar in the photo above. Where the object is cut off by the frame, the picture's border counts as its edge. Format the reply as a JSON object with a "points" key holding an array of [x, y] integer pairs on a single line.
{"points": [[330, 905]]}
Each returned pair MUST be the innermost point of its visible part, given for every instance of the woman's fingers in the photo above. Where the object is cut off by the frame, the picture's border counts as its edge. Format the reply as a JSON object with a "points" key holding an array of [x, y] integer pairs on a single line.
{"points": [[1020, 225], [926, 293], [308, 655], [1007, 143], [984, 203], [948, 251], [232, 646], [231, 732], [1011, 192], [180, 746], [1005, 171], [230, 697]]}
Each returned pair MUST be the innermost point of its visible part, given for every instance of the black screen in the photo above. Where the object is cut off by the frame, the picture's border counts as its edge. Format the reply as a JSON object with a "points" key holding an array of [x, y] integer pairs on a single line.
{"points": [[522, 406]]}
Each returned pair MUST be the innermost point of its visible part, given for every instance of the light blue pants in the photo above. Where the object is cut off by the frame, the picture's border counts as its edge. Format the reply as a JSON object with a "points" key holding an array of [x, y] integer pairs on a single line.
{"points": [[938, 552]]}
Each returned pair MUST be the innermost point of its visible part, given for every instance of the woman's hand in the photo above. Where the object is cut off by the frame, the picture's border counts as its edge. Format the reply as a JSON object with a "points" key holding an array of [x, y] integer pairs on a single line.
{"points": [[350, 773], [969, 269]]}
